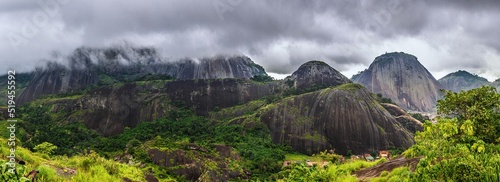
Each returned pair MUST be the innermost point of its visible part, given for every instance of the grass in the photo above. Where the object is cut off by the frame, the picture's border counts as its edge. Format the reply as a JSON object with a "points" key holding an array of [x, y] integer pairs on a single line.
{"points": [[302, 157], [88, 168], [396, 175], [333, 172]]}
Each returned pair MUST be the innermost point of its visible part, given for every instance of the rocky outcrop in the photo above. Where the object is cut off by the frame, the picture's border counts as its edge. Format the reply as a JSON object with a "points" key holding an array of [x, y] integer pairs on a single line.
{"points": [[462, 80], [108, 110], [401, 77], [193, 163], [315, 74], [91, 66], [57, 80], [342, 118], [206, 95], [411, 124], [214, 68]]}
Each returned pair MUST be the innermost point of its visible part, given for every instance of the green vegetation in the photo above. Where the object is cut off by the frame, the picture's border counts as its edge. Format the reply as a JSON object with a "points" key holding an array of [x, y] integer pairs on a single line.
{"points": [[89, 167], [262, 78], [51, 136], [45, 148], [331, 172], [469, 77], [465, 145], [381, 99], [396, 175], [419, 117], [21, 82], [351, 87]]}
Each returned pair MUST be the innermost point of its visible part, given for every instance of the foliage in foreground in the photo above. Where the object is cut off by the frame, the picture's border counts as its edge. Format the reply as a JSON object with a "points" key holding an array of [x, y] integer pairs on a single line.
{"points": [[89, 167], [464, 145], [331, 172]]}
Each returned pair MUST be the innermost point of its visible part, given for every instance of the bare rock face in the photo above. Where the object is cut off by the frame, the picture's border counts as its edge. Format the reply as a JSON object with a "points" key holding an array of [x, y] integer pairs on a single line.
{"points": [[108, 110], [401, 77], [316, 74], [91, 66], [341, 118], [206, 95], [215, 68], [57, 80], [462, 80], [411, 124]]}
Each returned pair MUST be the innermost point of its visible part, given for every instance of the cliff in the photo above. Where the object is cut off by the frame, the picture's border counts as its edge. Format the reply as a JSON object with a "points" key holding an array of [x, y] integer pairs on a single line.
{"points": [[89, 67], [401, 77]]}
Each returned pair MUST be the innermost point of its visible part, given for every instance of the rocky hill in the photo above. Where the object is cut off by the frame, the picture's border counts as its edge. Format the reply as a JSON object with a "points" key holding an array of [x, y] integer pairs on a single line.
{"points": [[342, 118], [462, 80], [135, 110], [93, 67], [401, 77], [407, 121], [315, 74]]}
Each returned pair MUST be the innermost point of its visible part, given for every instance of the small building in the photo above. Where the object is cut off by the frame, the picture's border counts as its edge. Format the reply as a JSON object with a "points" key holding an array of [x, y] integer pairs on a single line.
{"points": [[368, 157], [385, 154], [354, 157]]}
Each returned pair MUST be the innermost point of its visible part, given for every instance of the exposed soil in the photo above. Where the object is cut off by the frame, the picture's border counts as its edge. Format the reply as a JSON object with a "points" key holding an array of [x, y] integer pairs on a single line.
{"points": [[366, 174]]}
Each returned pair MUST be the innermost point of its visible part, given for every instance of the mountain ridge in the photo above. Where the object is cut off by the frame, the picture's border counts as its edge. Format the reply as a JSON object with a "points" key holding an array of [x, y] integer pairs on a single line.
{"points": [[462, 81]]}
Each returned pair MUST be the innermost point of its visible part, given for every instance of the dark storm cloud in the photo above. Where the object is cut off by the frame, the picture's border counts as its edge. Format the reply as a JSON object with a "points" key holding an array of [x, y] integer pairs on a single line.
{"points": [[278, 34]]}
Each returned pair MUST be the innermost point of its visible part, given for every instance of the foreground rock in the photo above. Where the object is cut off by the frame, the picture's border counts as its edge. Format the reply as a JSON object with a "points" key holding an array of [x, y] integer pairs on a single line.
{"points": [[197, 164], [411, 124], [342, 118]]}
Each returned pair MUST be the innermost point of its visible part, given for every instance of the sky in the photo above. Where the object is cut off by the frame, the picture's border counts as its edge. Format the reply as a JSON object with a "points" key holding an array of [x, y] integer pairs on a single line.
{"points": [[280, 35]]}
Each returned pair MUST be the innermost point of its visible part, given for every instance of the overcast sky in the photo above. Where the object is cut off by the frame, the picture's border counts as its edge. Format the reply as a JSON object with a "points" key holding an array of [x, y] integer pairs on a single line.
{"points": [[278, 34]]}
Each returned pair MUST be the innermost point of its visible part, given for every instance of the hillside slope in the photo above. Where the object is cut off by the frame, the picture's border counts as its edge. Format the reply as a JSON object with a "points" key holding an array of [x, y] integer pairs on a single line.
{"points": [[462, 81], [342, 118]]}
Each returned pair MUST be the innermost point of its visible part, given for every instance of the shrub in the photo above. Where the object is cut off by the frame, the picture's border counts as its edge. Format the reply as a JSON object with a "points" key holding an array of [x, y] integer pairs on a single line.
{"points": [[45, 148]]}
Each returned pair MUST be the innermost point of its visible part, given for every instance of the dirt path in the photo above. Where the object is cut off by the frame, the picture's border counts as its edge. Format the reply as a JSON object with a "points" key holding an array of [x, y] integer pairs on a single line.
{"points": [[365, 174]]}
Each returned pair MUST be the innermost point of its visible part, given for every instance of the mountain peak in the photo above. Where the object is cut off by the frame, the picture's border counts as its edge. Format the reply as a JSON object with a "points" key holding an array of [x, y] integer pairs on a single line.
{"points": [[313, 63], [316, 74], [462, 80], [395, 56], [400, 77], [464, 73]]}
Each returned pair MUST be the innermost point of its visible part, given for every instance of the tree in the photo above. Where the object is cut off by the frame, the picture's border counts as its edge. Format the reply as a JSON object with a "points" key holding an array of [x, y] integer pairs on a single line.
{"points": [[45, 148], [480, 108], [463, 145]]}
